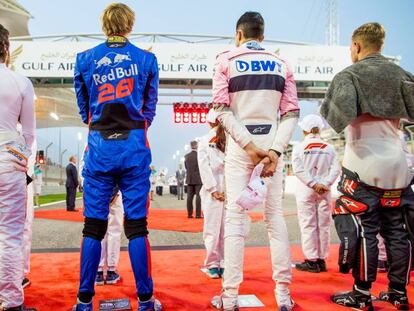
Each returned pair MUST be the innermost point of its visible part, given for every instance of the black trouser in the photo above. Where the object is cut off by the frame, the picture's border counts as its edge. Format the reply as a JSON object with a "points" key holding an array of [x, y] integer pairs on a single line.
{"points": [[193, 190], [70, 198], [371, 211]]}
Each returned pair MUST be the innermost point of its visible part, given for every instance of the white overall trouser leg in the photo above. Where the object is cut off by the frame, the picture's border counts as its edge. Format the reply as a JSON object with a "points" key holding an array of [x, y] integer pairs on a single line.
{"points": [[324, 224], [314, 216], [382, 253], [213, 230], [237, 175], [277, 230], [12, 218], [27, 235], [111, 244]]}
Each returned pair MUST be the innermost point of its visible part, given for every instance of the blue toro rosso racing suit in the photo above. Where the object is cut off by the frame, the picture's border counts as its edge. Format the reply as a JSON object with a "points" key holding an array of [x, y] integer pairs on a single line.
{"points": [[116, 85]]}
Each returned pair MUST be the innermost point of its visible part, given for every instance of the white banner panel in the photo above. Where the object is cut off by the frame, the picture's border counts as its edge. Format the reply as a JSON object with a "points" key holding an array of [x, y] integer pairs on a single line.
{"points": [[176, 60]]}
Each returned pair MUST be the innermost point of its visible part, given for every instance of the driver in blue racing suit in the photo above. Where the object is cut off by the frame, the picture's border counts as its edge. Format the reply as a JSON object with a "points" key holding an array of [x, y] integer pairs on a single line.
{"points": [[116, 85]]}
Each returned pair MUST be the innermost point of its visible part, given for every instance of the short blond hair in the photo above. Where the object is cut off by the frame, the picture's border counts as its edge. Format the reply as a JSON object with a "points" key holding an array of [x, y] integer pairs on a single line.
{"points": [[372, 35], [117, 19]]}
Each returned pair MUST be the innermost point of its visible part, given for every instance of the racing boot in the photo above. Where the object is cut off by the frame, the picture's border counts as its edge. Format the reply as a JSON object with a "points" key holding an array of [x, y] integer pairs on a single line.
{"points": [[354, 299], [397, 298], [80, 306], [225, 303], [150, 305], [308, 266]]}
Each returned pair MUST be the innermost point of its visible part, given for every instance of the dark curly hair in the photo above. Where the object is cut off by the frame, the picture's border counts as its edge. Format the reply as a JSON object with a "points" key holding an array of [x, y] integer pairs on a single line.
{"points": [[4, 42]]}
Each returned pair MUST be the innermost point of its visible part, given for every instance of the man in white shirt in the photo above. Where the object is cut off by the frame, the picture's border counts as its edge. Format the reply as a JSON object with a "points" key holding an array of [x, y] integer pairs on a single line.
{"points": [[367, 100], [17, 105], [316, 166]]}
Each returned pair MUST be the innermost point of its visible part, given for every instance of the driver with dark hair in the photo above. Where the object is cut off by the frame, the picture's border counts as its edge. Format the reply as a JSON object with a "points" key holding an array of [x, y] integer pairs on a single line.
{"points": [[254, 96]]}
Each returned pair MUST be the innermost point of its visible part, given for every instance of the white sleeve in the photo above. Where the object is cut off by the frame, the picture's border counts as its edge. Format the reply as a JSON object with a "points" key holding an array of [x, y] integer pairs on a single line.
{"points": [[284, 132], [299, 169], [27, 114], [203, 158], [334, 169]]}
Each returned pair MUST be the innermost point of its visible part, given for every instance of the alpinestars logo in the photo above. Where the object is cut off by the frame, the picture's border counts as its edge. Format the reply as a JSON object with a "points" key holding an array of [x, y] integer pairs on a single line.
{"points": [[112, 59]]}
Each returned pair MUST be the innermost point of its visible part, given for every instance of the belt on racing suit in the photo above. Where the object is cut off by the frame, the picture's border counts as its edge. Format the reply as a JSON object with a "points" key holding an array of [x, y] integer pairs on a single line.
{"points": [[13, 152], [347, 207], [115, 122], [350, 184]]}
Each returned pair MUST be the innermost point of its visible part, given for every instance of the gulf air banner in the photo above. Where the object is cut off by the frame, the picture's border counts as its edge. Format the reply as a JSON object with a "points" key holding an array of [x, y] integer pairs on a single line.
{"points": [[176, 60]]}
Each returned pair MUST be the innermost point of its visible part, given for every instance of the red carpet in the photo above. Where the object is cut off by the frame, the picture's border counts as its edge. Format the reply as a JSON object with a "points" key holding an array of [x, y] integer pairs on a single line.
{"points": [[172, 220], [181, 286]]}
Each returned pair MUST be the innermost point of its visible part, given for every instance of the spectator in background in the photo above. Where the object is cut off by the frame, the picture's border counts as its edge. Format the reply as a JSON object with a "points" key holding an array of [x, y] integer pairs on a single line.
{"points": [[180, 176], [17, 105], [72, 182], [37, 183], [193, 181], [153, 181]]}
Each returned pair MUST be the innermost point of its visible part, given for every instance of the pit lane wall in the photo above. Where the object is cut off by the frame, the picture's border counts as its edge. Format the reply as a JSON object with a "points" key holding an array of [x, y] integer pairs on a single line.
{"points": [[40, 59]]}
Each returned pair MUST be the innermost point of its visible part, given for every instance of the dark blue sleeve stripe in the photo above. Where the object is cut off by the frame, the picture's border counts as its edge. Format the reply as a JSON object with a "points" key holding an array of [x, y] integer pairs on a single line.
{"points": [[256, 82]]}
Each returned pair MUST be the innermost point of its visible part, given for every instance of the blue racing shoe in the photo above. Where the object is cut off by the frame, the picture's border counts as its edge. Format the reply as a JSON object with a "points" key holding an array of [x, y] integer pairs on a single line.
{"points": [[112, 277], [82, 306], [150, 305]]}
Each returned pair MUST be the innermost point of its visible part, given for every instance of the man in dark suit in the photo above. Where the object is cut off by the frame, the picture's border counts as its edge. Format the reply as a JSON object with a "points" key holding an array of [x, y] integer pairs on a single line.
{"points": [[72, 182], [193, 181]]}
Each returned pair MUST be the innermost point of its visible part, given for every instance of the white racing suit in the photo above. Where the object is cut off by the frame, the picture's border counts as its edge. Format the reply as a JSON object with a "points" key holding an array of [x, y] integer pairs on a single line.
{"points": [[17, 105], [252, 89], [27, 234], [211, 164], [314, 162], [111, 244]]}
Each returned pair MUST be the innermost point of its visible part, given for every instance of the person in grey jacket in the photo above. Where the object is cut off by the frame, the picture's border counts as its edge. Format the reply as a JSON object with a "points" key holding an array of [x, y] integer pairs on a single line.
{"points": [[367, 100], [180, 176]]}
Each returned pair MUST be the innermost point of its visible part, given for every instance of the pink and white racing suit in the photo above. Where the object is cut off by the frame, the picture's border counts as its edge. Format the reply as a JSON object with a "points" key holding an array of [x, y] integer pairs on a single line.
{"points": [[314, 162], [254, 95], [17, 105]]}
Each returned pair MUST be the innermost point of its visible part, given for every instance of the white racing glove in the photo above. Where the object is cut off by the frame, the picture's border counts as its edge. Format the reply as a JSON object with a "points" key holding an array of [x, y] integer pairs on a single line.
{"points": [[255, 192]]}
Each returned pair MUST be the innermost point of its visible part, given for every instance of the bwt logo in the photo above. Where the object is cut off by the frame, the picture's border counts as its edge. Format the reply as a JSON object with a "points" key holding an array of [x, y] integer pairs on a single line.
{"points": [[258, 65]]}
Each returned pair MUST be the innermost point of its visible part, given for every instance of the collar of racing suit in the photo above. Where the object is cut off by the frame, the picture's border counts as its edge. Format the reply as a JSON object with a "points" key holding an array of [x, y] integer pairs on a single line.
{"points": [[2, 65], [253, 45]]}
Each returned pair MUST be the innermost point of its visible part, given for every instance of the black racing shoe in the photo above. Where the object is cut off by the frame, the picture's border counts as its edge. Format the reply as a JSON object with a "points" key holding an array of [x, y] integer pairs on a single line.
{"points": [[382, 266], [322, 265], [353, 299], [396, 298], [308, 266]]}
